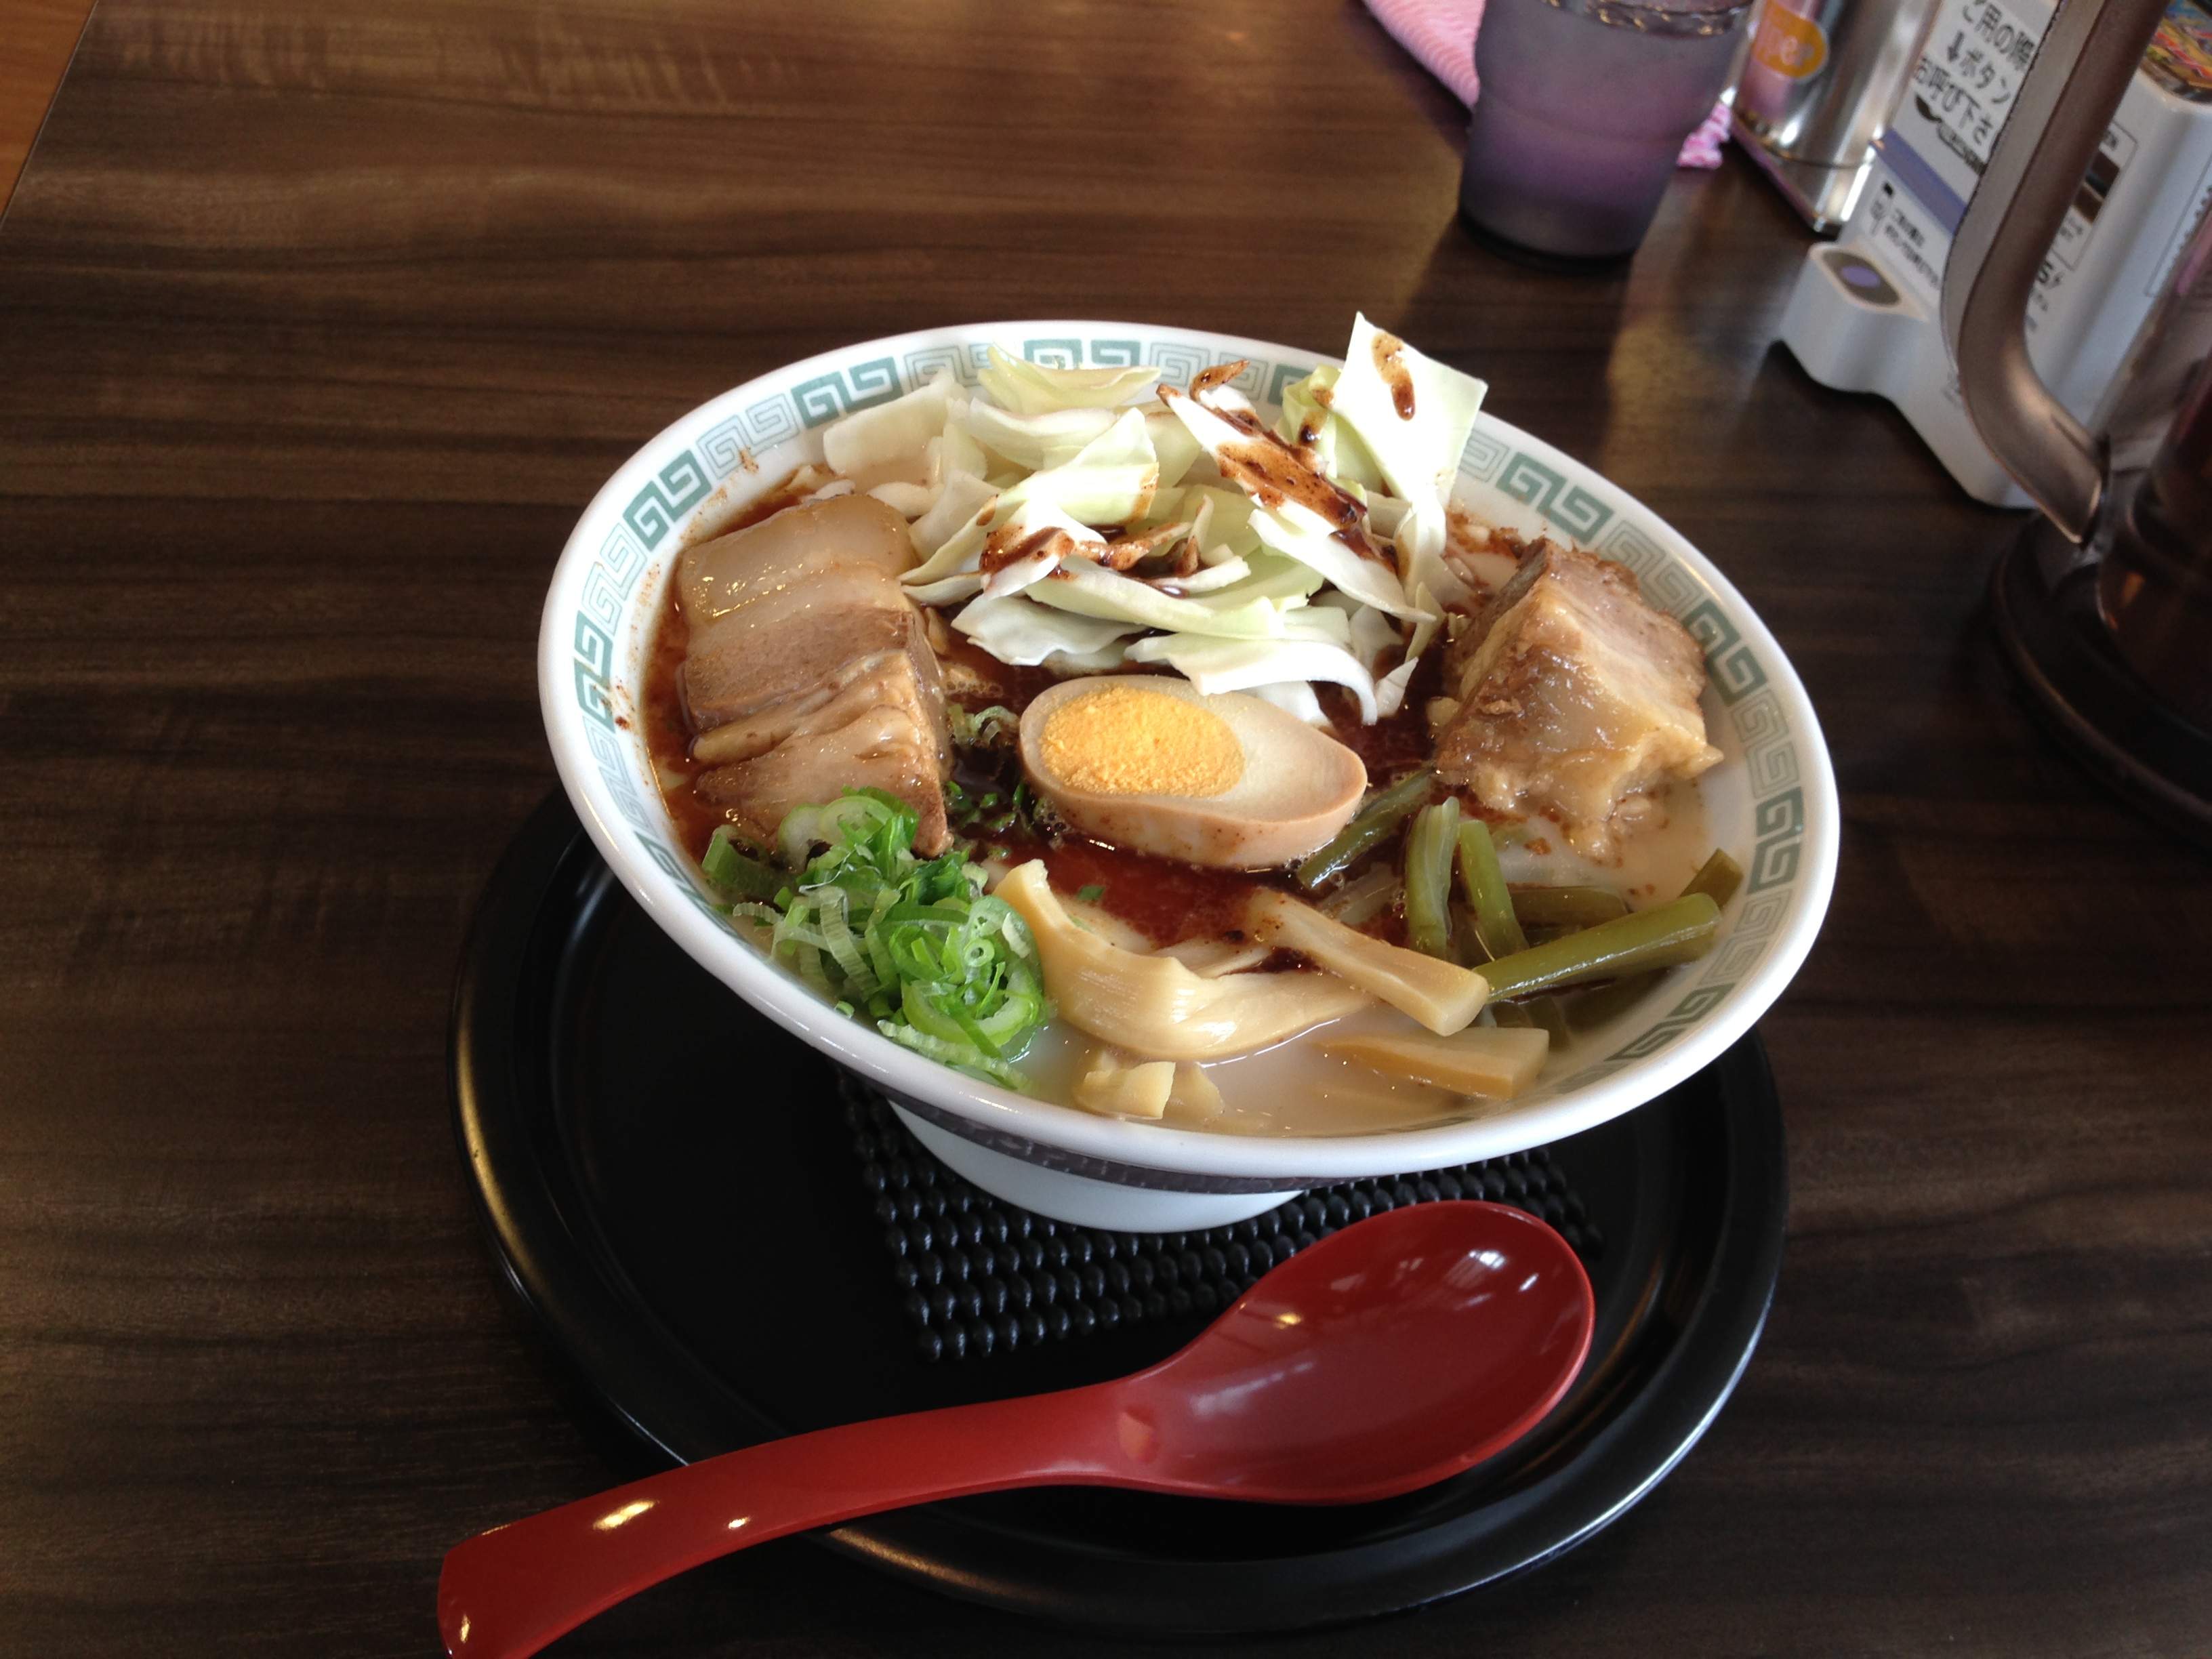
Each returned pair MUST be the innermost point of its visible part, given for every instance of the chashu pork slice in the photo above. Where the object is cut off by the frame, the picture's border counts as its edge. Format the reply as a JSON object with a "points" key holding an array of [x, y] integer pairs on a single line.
{"points": [[719, 576], [885, 679], [792, 639], [886, 747], [1572, 695], [808, 671]]}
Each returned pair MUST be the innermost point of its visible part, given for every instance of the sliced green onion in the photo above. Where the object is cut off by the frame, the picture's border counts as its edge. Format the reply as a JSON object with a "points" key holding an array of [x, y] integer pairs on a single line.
{"points": [[985, 728], [735, 872], [810, 967], [960, 1056], [837, 939], [915, 946]]}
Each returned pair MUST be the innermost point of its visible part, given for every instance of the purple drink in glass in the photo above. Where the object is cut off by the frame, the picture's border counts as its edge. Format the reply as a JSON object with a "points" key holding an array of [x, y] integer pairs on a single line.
{"points": [[1584, 108]]}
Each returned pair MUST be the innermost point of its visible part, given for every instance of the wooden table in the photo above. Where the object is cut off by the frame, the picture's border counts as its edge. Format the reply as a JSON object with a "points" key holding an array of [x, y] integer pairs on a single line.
{"points": [[318, 325]]}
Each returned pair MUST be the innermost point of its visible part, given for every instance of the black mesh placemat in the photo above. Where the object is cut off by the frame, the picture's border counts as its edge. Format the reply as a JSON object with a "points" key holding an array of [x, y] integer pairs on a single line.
{"points": [[981, 1276]]}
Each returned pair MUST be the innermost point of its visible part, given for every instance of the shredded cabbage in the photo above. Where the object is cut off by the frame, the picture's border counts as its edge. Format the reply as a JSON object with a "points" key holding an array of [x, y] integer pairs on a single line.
{"points": [[1292, 528], [1017, 630], [1109, 481], [1418, 456], [1221, 524], [1225, 558], [1292, 697], [1211, 578], [1214, 665], [962, 496], [1311, 424], [1036, 441], [1173, 444], [873, 437], [1034, 389], [1091, 591]]}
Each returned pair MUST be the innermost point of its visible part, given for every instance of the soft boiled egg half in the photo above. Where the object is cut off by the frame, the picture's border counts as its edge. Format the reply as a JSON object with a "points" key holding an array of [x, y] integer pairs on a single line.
{"points": [[1146, 763]]}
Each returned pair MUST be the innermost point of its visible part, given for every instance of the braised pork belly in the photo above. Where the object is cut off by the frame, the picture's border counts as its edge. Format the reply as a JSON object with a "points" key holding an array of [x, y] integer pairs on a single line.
{"points": [[1569, 696], [808, 671]]}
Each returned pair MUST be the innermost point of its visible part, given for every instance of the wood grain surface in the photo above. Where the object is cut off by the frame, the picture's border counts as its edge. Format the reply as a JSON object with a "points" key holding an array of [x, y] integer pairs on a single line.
{"points": [[36, 37], [318, 323]]}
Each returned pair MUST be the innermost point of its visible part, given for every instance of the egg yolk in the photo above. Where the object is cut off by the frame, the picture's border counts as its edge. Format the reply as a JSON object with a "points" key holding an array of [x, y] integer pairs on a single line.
{"points": [[1123, 740]]}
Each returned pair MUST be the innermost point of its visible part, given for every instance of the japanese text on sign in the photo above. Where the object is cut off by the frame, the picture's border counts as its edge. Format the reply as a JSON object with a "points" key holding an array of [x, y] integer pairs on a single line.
{"points": [[1965, 88]]}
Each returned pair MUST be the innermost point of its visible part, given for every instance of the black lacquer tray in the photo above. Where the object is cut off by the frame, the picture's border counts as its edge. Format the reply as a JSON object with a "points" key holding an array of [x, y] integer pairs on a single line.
{"points": [[669, 1182]]}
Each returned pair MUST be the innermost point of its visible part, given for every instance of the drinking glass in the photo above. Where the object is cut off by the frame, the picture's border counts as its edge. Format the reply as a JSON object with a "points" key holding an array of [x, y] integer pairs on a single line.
{"points": [[1584, 108]]}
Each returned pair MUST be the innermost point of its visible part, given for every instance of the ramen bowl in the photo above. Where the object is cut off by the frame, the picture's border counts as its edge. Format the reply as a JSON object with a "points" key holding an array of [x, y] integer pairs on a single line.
{"points": [[1771, 801]]}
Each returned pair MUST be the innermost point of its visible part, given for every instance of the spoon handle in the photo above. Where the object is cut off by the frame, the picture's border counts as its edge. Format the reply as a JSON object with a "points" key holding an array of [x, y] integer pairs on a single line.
{"points": [[507, 1592]]}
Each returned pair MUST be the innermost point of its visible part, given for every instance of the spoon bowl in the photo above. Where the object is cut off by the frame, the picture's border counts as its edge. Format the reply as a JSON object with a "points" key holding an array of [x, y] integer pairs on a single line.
{"points": [[1391, 1355]]}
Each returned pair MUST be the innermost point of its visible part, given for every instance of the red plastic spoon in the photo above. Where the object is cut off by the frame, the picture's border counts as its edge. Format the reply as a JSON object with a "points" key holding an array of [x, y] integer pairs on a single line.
{"points": [[1388, 1356]]}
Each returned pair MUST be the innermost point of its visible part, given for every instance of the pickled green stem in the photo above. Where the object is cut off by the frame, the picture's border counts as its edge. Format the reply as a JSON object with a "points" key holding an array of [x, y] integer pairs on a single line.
{"points": [[1567, 907], [1680, 930], [1593, 1009], [1717, 878], [1495, 925], [1546, 1012], [1367, 830], [1428, 878]]}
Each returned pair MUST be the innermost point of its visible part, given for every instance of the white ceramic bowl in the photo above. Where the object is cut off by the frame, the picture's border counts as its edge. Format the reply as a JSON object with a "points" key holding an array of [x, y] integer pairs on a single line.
{"points": [[1771, 801]]}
